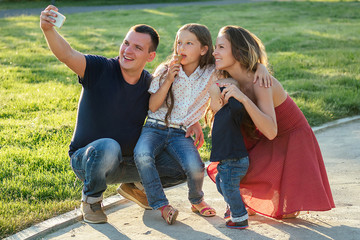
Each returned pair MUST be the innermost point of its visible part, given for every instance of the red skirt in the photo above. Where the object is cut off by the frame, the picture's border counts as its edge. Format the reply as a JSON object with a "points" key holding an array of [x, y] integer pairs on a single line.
{"points": [[286, 174]]}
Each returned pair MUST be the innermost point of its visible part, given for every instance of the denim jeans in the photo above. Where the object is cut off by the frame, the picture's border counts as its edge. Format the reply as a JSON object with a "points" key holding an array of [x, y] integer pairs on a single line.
{"points": [[155, 139], [230, 173], [101, 163]]}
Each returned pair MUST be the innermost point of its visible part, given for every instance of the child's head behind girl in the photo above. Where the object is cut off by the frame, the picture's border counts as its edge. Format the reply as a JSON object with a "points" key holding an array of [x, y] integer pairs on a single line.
{"points": [[193, 42], [216, 100]]}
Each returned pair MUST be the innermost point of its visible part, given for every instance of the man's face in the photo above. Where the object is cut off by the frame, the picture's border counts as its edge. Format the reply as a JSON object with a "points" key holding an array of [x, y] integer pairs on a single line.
{"points": [[134, 51]]}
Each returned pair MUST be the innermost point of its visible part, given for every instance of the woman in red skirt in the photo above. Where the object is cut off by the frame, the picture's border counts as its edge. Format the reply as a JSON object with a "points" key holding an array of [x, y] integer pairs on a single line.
{"points": [[286, 173]]}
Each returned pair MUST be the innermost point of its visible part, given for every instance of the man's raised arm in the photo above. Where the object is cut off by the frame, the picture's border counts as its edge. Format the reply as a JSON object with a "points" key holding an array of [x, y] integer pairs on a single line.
{"points": [[59, 46]]}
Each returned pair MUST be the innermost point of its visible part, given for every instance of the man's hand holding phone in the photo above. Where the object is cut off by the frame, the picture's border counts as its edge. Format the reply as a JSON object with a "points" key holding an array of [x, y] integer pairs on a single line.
{"points": [[51, 17], [59, 19]]}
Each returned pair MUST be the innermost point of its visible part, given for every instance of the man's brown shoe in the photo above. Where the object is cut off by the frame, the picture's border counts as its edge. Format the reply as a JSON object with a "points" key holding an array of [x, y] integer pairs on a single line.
{"points": [[132, 193], [93, 213]]}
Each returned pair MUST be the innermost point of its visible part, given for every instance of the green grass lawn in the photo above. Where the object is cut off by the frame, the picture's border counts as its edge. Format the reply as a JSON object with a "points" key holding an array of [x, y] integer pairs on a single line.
{"points": [[18, 4], [313, 48]]}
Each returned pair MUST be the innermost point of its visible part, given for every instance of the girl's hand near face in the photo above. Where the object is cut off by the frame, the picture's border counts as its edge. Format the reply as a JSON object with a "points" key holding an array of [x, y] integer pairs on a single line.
{"points": [[263, 76], [173, 70], [158, 98]]}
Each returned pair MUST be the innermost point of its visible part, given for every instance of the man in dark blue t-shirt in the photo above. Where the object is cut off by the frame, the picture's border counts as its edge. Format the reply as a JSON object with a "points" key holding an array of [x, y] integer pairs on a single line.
{"points": [[112, 108]]}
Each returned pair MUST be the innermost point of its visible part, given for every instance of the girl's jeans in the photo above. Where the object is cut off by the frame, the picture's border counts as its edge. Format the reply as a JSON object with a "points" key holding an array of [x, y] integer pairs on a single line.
{"points": [[101, 163], [230, 173], [155, 139]]}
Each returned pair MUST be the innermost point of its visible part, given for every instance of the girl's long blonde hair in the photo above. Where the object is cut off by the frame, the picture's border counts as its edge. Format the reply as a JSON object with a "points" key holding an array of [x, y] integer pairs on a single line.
{"points": [[203, 35]]}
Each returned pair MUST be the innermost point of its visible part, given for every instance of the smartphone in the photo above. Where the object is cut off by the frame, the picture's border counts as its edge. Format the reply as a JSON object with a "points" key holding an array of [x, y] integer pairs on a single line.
{"points": [[60, 19]]}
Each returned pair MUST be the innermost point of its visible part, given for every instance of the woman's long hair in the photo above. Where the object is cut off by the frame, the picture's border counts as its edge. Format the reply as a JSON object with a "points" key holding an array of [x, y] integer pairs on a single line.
{"points": [[248, 50]]}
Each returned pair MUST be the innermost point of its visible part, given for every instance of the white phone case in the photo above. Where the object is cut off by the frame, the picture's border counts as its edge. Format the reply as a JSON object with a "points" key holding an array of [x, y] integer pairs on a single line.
{"points": [[60, 19]]}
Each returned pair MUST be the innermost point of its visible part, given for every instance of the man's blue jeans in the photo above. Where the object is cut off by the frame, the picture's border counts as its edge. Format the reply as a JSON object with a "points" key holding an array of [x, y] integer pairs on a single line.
{"points": [[101, 163], [156, 139], [230, 173]]}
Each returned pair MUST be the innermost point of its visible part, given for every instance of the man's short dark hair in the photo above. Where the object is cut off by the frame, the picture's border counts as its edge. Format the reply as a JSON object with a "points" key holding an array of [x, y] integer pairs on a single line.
{"points": [[155, 38]]}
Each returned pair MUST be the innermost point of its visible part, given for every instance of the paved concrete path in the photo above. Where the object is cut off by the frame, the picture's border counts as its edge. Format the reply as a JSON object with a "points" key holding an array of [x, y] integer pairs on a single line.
{"points": [[339, 143], [67, 10]]}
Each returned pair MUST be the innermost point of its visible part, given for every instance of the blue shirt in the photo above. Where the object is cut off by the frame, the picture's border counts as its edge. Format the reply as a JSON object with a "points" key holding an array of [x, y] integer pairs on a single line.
{"points": [[109, 107], [227, 139]]}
